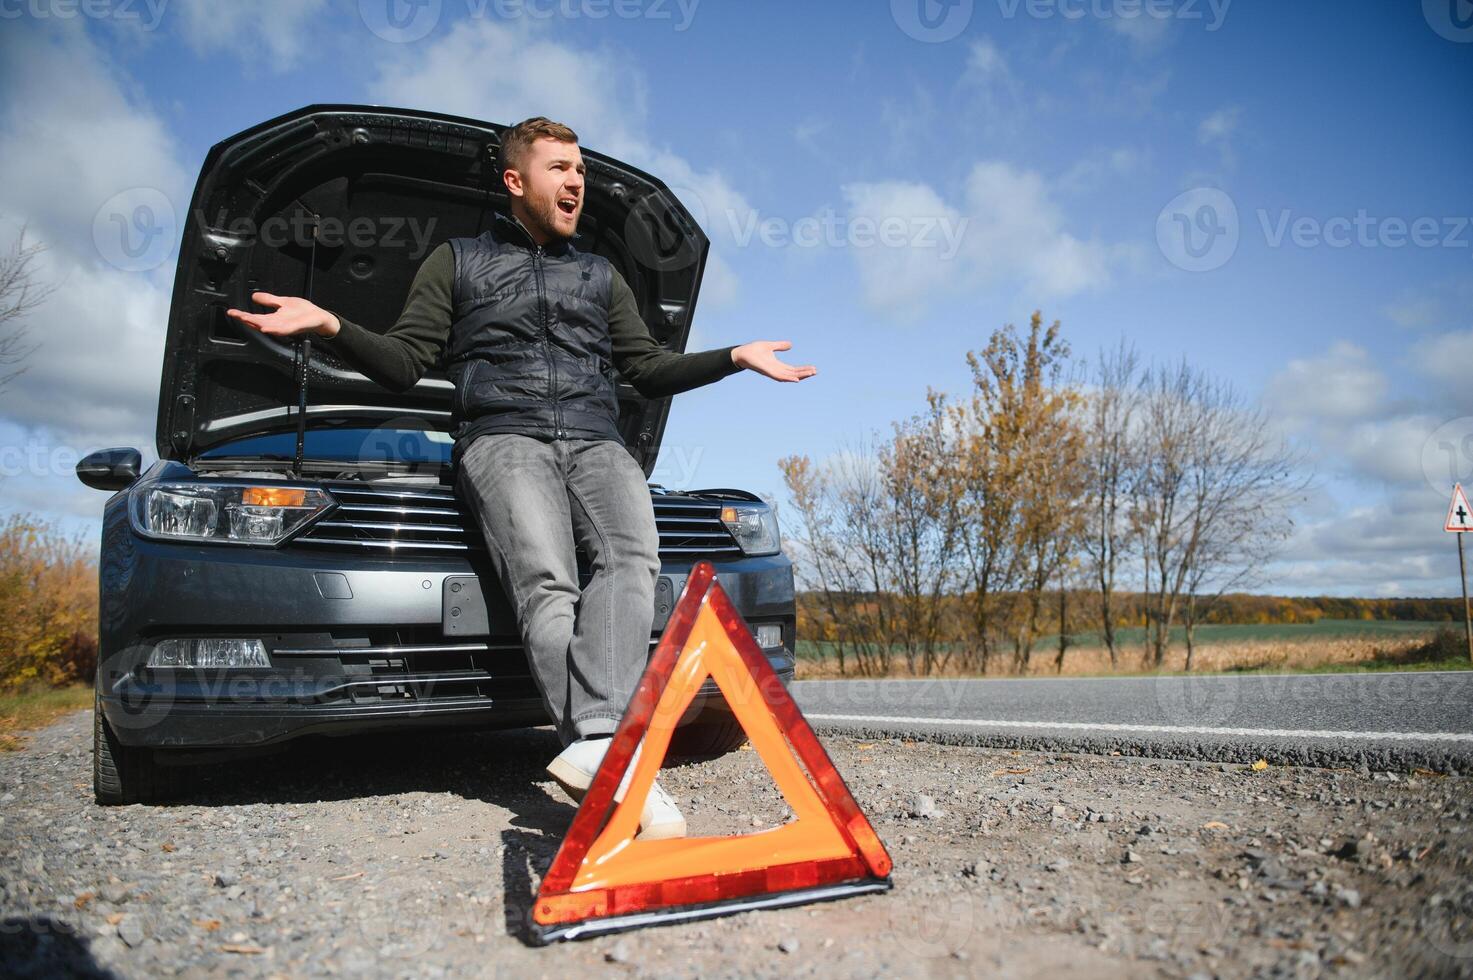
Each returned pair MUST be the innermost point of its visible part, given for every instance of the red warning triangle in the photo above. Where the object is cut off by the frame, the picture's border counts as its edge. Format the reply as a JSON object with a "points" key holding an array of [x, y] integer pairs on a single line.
{"points": [[603, 880], [1459, 514]]}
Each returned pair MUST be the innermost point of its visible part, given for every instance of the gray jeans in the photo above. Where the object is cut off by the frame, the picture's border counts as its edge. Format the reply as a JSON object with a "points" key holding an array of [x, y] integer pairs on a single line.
{"points": [[534, 500]]}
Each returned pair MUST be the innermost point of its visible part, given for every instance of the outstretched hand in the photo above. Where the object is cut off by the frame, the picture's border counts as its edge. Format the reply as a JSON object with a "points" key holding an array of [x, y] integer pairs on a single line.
{"points": [[292, 317], [761, 356]]}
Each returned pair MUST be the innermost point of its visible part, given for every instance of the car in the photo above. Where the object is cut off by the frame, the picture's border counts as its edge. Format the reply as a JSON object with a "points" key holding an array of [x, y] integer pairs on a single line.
{"points": [[296, 561]]}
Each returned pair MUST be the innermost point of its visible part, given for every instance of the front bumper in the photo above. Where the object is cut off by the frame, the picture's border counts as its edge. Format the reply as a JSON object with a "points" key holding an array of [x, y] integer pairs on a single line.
{"points": [[356, 643]]}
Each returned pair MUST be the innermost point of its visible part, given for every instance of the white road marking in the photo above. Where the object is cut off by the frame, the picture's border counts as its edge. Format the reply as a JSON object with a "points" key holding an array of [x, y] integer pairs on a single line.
{"points": [[1085, 678], [1153, 729]]}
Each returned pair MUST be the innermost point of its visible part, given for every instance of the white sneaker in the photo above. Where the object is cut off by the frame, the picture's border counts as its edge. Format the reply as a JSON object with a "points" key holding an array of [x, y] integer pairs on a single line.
{"points": [[574, 769]]}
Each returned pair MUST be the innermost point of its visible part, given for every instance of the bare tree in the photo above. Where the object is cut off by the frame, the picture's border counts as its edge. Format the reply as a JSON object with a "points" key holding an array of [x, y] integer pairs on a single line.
{"points": [[925, 514], [21, 292], [1110, 465], [1212, 494], [830, 563], [1160, 510], [1243, 482]]}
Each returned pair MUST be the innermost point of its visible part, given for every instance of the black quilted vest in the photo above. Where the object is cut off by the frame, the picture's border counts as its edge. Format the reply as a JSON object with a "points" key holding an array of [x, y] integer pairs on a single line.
{"points": [[529, 348]]}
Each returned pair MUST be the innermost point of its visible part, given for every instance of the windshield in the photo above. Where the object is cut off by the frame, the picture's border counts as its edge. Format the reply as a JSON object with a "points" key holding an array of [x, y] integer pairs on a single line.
{"points": [[344, 445]]}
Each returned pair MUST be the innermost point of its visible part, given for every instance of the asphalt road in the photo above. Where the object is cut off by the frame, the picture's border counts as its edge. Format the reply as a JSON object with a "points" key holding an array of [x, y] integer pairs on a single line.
{"points": [[1392, 720]]}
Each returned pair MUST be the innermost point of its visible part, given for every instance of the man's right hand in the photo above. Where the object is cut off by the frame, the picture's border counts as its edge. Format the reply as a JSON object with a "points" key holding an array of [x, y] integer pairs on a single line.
{"points": [[292, 317]]}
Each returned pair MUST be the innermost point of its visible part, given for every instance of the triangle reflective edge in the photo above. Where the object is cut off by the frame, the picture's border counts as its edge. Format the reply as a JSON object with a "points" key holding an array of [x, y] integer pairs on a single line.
{"points": [[564, 910]]}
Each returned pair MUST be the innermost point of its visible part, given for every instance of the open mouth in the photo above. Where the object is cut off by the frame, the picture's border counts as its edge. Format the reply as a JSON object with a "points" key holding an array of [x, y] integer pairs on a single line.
{"points": [[567, 205]]}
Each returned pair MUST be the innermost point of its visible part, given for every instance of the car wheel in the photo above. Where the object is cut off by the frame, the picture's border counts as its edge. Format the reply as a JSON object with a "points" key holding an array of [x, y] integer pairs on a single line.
{"points": [[123, 773], [712, 734]]}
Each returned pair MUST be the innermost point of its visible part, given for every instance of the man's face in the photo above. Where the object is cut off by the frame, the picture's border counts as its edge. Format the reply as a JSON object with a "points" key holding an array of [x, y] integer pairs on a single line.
{"points": [[550, 180]]}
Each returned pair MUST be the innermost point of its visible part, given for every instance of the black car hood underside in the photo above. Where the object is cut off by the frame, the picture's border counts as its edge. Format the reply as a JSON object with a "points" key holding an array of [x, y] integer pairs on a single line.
{"points": [[419, 178]]}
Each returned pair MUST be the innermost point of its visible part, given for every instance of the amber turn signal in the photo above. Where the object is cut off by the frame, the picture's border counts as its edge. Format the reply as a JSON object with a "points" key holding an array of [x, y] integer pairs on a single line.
{"points": [[273, 497]]}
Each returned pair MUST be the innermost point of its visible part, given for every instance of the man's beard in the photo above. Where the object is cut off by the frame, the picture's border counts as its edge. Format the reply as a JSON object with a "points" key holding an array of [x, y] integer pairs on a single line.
{"points": [[543, 214]]}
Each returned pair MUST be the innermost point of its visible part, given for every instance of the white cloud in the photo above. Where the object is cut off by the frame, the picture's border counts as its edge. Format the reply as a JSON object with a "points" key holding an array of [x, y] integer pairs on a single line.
{"points": [[1007, 228], [1444, 359], [1386, 449], [897, 279], [1439, 304], [1218, 130], [1341, 384], [232, 27], [600, 95], [1018, 226], [1145, 31], [1218, 126], [987, 67], [1385, 546], [73, 138], [1412, 312], [1101, 169]]}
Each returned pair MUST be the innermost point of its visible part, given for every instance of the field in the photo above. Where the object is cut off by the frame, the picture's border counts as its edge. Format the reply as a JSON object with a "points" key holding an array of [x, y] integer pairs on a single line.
{"points": [[1326, 645]]}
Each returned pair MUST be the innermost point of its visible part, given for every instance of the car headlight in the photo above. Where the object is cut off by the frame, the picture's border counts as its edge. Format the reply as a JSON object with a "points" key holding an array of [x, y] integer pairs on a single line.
{"points": [[754, 526], [225, 513]]}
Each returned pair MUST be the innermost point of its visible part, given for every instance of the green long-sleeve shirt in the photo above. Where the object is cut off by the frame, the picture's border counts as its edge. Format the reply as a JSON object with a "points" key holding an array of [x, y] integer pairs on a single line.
{"points": [[400, 356]]}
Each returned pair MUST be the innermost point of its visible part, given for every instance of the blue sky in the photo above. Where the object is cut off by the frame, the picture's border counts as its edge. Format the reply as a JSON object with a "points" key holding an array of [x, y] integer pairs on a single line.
{"points": [[1034, 153]]}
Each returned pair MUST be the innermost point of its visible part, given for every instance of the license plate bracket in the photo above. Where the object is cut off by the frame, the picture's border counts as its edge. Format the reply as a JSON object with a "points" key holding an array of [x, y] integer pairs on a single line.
{"points": [[463, 607]]}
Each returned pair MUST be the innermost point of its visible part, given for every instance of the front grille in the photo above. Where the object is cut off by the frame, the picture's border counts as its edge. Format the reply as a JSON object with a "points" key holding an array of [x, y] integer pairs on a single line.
{"points": [[494, 669], [417, 521]]}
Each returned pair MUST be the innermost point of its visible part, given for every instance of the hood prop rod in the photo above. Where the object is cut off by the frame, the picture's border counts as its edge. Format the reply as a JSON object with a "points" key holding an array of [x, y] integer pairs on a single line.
{"points": [[302, 356]]}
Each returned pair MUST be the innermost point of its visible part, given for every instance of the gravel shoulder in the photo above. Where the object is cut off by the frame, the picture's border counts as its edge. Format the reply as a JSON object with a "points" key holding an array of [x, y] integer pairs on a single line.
{"points": [[417, 856]]}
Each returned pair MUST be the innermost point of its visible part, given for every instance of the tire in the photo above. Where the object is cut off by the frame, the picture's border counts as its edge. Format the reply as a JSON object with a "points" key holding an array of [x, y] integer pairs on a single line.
{"points": [[123, 774], [712, 734]]}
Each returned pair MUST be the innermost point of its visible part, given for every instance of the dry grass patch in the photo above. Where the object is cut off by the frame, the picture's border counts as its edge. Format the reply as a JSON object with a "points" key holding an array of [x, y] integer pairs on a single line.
{"points": [[36, 708], [1309, 654]]}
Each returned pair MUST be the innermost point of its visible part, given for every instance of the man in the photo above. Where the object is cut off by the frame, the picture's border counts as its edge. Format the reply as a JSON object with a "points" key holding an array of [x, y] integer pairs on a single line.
{"points": [[531, 329]]}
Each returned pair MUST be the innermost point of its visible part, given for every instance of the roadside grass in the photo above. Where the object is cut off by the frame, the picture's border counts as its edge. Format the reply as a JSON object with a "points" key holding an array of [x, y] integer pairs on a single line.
{"points": [[1329, 646], [38, 707]]}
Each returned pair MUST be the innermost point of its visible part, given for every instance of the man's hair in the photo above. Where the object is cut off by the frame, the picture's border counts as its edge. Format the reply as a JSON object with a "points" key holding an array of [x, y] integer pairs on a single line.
{"points": [[518, 140]]}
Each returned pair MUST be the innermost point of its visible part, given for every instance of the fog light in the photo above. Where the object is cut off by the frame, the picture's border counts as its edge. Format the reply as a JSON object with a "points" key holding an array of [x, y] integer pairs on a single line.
{"points": [[209, 653], [769, 635]]}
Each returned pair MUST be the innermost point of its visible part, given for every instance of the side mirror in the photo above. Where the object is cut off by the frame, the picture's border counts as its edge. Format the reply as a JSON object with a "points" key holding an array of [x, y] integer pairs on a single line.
{"points": [[110, 469]]}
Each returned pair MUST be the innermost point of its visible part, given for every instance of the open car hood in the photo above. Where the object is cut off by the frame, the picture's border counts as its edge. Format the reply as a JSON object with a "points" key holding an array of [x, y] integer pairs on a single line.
{"points": [[341, 203]]}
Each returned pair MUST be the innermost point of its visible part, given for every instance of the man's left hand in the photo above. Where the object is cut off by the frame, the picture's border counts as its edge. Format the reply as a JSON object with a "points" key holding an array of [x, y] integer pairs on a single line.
{"points": [[760, 356]]}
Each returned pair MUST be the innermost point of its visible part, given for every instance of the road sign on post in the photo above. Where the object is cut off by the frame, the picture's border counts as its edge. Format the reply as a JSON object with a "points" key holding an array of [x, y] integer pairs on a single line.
{"points": [[1459, 520]]}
